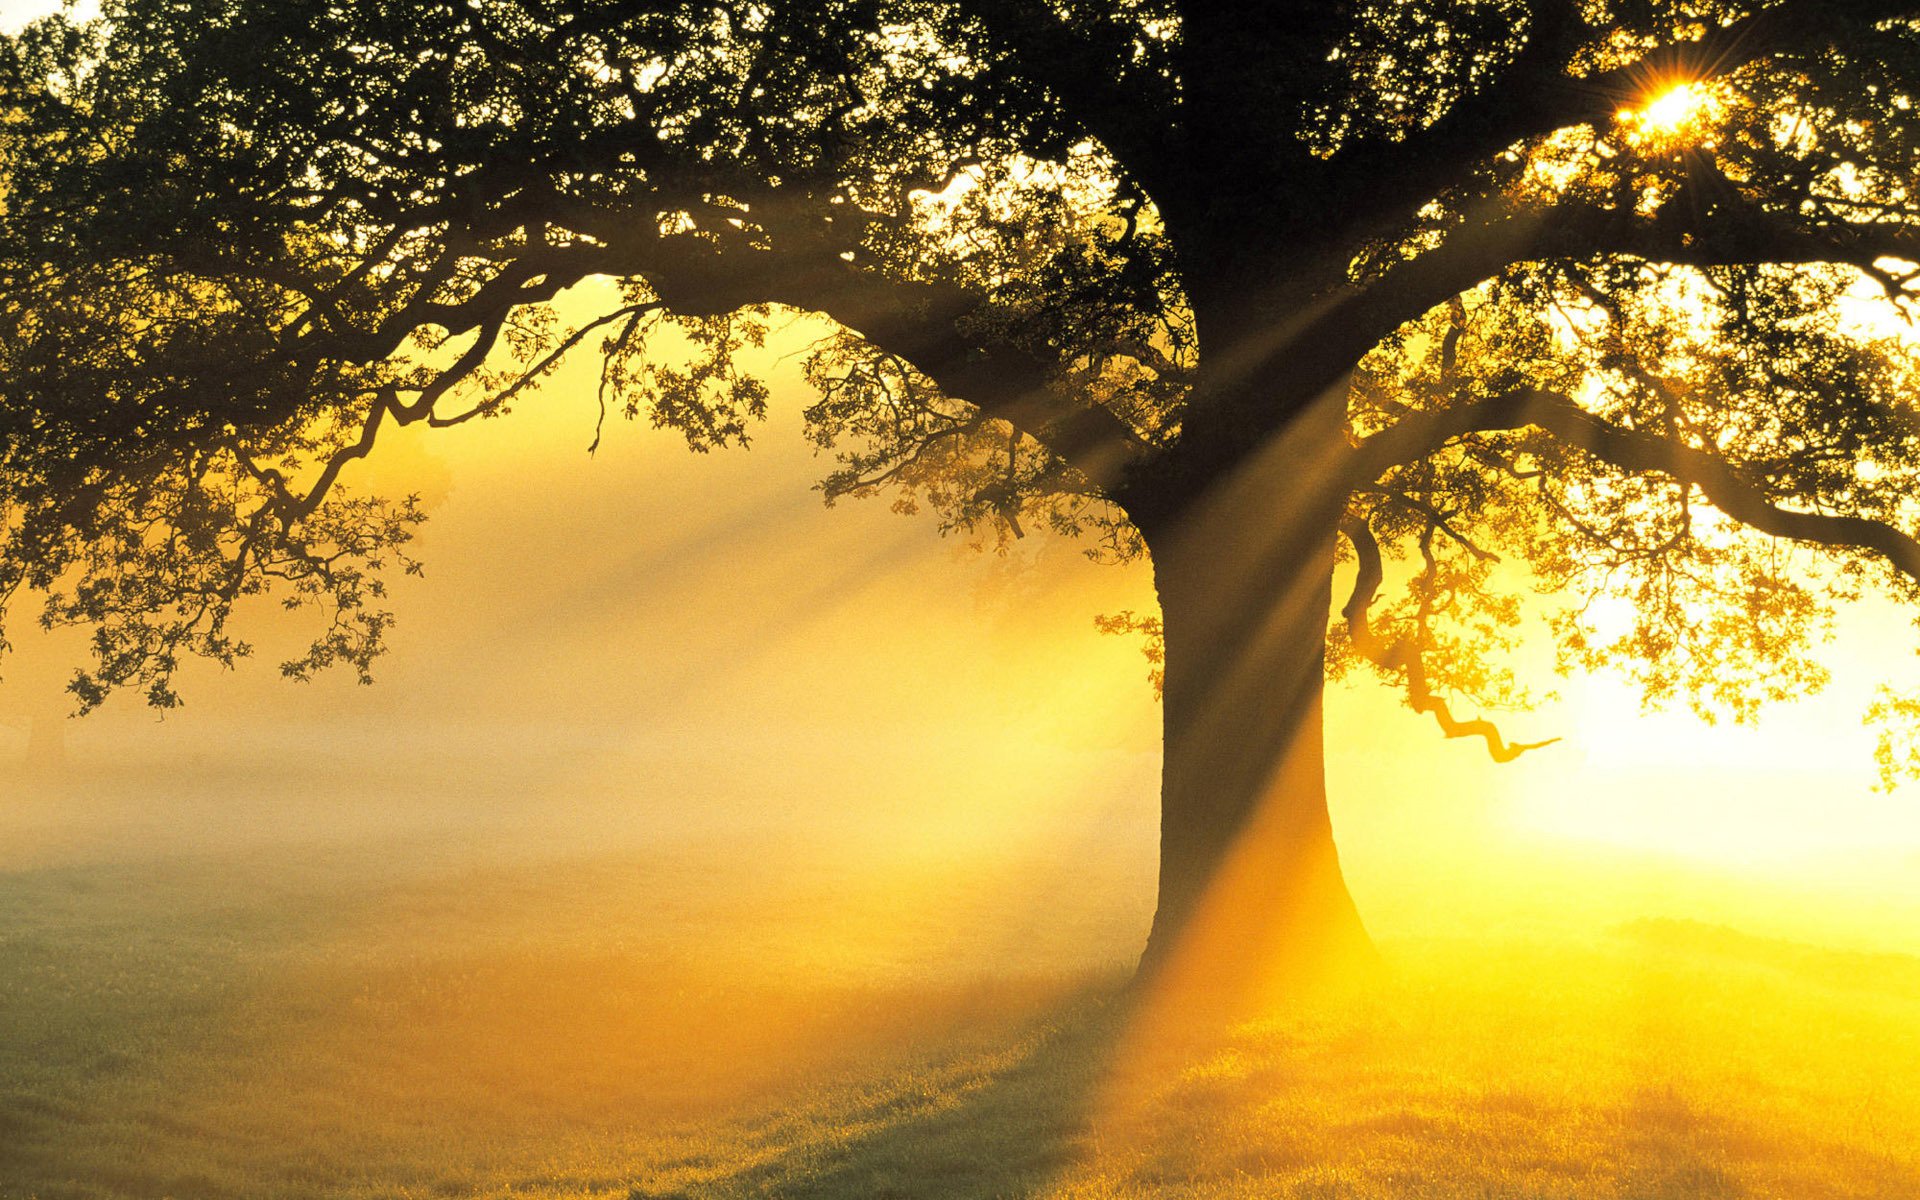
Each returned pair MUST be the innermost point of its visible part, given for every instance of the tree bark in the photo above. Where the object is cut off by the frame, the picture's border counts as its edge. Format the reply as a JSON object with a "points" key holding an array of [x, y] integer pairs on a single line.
{"points": [[1252, 902]]}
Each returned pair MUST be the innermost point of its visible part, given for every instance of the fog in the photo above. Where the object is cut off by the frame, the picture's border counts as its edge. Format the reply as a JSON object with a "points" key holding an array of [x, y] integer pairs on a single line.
{"points": [[692, 827], [696, 834], [647, 650]]}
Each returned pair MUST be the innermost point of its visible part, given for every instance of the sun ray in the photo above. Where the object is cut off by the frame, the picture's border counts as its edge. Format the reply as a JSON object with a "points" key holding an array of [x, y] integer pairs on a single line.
{"points": [[1679, 114]]}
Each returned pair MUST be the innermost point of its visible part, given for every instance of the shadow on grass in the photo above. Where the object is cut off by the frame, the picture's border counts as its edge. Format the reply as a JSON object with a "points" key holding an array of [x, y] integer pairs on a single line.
{"points": [[1002, 1120], [221, 1028], [1369, 1108], [159, 1039]]}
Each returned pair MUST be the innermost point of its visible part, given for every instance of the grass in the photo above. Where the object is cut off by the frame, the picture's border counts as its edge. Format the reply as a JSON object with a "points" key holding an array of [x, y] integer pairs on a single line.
{"points": [[400, 1019]]}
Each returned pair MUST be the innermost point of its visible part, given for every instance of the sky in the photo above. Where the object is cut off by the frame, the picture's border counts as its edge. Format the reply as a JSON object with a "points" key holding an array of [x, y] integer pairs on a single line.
{"points": [[15, 13], [648, 644]]}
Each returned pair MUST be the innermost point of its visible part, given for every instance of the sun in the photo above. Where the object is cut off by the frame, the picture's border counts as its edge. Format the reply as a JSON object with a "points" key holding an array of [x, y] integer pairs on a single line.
{"points": [[1679, 113]]}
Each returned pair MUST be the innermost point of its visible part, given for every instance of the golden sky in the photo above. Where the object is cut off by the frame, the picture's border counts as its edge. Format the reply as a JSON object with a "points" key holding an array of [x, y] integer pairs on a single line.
{"points": [[15, 13], [650, 640]]}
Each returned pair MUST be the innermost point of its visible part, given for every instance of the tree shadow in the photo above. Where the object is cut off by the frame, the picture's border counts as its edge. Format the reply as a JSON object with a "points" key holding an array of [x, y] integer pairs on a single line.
{"points": [[1674, 1149], [1004, 1119]]}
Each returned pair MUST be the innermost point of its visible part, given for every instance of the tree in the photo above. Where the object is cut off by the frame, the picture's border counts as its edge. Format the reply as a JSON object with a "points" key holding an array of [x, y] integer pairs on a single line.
{"points": [[1423, 287]]}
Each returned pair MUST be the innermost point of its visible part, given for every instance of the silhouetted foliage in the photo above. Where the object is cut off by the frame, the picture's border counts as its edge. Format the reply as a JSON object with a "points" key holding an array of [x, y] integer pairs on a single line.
{"points": [[1438, 278]]}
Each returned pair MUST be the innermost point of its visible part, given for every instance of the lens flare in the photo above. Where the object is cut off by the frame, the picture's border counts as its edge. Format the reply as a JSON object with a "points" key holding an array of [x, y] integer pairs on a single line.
{"points": [[1681, 113]]}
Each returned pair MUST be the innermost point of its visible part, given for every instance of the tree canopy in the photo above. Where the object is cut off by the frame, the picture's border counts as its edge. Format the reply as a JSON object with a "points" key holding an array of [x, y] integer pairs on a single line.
{"points": [[1595, 294]]}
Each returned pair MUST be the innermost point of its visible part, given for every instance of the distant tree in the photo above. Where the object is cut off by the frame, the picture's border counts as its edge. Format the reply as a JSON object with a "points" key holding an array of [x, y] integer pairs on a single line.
{"points": [[1425, 286]]}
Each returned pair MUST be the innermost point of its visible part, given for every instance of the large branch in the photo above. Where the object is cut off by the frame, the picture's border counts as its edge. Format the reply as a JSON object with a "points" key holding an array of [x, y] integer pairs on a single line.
{"points": [[915, 321], [703, 273], [1415, 436], [1246, 70], [1737, 233], [1709, 221], [1299, 361], [1085, 66], [1532, 95], [1403, 656], [1536, 96], [1319, 348]]}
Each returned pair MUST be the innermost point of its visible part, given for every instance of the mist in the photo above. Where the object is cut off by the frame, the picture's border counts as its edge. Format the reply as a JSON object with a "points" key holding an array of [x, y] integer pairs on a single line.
{"points": [[681, 795], [644, 649]]}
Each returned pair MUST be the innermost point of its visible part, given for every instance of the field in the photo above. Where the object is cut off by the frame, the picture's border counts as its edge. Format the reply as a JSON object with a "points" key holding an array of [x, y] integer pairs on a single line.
{"points": [[412, 1015]]}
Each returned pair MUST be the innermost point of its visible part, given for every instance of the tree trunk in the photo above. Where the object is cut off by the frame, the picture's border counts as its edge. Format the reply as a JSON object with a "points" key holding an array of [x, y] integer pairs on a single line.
{"points": [[1252, 903]]}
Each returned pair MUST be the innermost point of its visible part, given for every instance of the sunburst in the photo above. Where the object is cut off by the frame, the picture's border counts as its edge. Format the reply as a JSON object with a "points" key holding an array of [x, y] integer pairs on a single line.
{"points": [[1683, 112]]}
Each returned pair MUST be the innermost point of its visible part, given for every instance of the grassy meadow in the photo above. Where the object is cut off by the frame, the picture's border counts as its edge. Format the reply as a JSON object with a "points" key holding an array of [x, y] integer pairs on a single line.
{"points": [[412, 1012]]}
